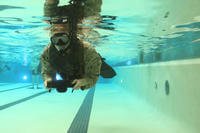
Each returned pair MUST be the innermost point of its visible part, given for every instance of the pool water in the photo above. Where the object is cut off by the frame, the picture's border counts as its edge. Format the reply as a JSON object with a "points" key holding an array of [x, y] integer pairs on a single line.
{"points": [[146, 37]]}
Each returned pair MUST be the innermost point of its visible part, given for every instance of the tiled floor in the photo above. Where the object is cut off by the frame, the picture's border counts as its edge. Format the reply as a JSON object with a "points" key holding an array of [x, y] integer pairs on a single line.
{"points": [[114, 110]]}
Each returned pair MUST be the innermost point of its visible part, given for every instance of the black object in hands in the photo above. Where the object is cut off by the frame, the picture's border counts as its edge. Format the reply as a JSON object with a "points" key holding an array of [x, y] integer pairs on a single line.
{"points": [[60, 85]]}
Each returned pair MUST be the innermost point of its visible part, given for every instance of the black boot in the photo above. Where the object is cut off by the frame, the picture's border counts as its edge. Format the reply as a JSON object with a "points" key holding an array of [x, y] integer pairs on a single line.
{"points": [[106, 70]]}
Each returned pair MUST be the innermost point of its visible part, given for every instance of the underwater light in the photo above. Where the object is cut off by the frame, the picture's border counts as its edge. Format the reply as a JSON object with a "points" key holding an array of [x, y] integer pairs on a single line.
{"points": [[24, 77], [129, 62]]}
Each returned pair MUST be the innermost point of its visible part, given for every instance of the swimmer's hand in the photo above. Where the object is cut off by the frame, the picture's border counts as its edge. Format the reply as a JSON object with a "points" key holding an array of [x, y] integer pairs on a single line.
{"points": [[79, 83], [46, 83]]}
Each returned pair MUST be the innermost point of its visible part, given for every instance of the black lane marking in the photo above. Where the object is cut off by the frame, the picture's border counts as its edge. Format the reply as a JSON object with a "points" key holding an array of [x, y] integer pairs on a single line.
{"points": [[5, 106], [15, 88], [81, 120]]}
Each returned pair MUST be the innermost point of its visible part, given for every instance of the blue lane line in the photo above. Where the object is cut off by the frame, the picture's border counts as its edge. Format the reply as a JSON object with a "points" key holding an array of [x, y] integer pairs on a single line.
{"points": [[81, 120], [15, 88], [5, 106]]}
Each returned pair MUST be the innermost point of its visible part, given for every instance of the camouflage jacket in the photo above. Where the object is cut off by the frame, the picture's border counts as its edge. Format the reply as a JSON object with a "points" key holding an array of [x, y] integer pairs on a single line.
{"points": [[91, 8], [92, 64]]}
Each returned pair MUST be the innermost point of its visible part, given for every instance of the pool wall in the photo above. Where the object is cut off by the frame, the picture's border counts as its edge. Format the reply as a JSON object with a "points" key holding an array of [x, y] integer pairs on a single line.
{"points": [[171, 87]]}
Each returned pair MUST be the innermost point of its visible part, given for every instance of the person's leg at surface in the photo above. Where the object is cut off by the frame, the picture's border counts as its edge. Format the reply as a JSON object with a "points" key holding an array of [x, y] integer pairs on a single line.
{"points": [[33, 81], [36, 81]]}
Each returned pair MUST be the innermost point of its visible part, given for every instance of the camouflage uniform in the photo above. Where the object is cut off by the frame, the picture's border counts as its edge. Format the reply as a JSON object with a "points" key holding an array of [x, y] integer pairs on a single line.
{"points": [[52, 62]]}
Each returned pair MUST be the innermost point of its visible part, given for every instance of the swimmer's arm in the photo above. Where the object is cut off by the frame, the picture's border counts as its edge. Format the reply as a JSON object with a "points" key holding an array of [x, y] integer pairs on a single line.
{"points": [[47, 71], [92, 68]]}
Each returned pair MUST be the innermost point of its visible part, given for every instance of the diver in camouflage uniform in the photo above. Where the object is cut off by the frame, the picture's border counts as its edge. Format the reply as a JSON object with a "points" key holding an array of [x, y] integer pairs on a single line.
{"points": [[57, 58], [52, 61], [60, 58]]}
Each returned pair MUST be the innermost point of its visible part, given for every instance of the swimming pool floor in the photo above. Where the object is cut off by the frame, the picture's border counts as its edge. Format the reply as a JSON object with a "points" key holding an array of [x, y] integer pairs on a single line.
{"points": [[107, 108]]}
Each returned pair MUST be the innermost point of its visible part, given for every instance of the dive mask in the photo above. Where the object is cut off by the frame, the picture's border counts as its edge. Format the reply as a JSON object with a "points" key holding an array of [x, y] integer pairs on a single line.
{"points": [[57, 20], [60, 39]]}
